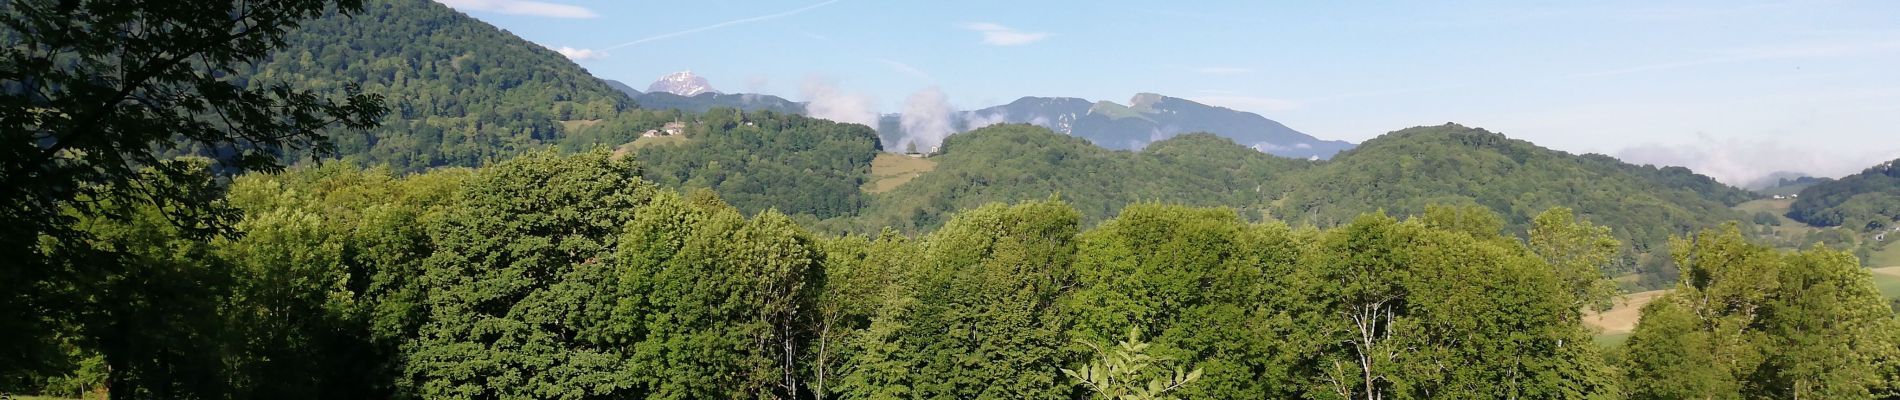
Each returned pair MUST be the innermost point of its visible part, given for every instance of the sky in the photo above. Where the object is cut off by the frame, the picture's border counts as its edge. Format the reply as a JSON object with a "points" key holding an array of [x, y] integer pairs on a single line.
{"points": [[1733, 89]]}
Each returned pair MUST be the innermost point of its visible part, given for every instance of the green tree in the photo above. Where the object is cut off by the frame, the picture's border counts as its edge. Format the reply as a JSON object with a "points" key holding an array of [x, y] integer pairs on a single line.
{"points": [[1192, 279], [1578, 252], [1118, 372], [94, 88], [861, 276], [155, 317], [525, 253], [1747, 321], [1383, 309], [720, 307], [980, 320]]}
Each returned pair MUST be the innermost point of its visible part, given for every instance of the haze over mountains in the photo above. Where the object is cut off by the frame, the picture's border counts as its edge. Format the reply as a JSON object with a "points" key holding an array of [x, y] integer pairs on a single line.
{"points": [[1145, 119]]}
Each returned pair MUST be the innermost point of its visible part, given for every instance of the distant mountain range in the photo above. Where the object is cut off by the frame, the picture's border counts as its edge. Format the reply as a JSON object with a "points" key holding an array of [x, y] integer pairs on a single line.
{"points": [[1147, 118], [702, 97]]}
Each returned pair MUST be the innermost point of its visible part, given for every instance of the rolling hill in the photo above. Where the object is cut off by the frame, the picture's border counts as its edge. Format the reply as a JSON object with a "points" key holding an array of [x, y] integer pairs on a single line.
{"points": [[1869, 200], [1406, 170], [1014, 162], [461, 92]]}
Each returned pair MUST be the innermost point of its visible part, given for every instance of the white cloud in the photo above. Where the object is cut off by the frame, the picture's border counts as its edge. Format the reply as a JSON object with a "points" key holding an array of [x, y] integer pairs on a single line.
{"points": [[1222, 70], [580, 55], [1739, 162], [522, 7], [926, 119], [999, 35], [825, 100]]}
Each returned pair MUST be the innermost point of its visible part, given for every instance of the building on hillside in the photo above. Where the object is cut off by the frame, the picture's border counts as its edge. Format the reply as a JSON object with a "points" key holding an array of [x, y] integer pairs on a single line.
{"points": [[670, 129]]}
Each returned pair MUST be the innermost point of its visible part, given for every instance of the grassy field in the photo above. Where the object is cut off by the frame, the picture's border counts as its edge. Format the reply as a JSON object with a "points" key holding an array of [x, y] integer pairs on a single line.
{"points": [[1614, 326], [888, 171], [1888, 256], [1611, 339], [1622, 318], [1789, 227], [1888, 279]]}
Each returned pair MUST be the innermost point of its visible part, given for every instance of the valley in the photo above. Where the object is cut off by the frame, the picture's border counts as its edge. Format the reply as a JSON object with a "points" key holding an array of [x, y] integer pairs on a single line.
{"points": [[415, 199]]}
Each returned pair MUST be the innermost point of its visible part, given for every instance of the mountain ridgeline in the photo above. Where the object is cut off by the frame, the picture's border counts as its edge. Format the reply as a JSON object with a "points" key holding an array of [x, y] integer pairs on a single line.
{"points": [[699, 101], [1402, 172], [1869, 200], [460, 92], [1406, 170], [1148, 118], [464, 93]]}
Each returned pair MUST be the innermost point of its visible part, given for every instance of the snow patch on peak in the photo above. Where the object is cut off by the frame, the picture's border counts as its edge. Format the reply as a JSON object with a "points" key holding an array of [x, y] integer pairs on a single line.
{"points": [[682, 83]]}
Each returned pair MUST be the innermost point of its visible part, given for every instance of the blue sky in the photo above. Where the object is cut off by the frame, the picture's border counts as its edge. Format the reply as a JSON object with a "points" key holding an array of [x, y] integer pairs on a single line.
{"points": [[1731, 88]]}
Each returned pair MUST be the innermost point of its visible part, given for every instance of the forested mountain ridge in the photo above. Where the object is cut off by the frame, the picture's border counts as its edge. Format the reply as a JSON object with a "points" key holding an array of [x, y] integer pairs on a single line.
{"points": [[1406, 170], [1403, 173], [460, 92], [762, 161], [463, 93], [1868, 200], [1019, 162]]}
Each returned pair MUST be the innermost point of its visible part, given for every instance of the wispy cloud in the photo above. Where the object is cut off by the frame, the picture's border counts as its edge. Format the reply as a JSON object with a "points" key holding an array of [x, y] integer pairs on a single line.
{"points": [[906, 69], [1782, 52], [579, 55], [740, 21], [1739, 162], [1222, 70], [522, 7], [998, 35]]}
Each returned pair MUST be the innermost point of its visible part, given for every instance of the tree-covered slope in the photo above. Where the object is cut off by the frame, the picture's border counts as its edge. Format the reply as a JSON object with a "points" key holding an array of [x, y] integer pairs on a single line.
{"points": [[765, 160], [460, 92], [1867, 200], [1016, 162], [1404, 171]]}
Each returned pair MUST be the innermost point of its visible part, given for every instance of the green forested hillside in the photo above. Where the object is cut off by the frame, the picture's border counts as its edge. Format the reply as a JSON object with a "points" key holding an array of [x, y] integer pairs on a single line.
{"points": [[568, 276], [1406, 170], [1024, 162], [460, 92], [764, 160], [1869, 200], [552, 272], [1401, 173]]}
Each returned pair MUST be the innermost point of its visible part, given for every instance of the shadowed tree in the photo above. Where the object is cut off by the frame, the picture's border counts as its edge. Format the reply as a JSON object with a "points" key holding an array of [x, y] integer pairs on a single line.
{"points": [[88, 91]]}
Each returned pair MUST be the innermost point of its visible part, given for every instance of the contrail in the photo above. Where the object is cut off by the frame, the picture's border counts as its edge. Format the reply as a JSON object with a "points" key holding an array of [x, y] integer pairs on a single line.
{"points": [[722, 25]]}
